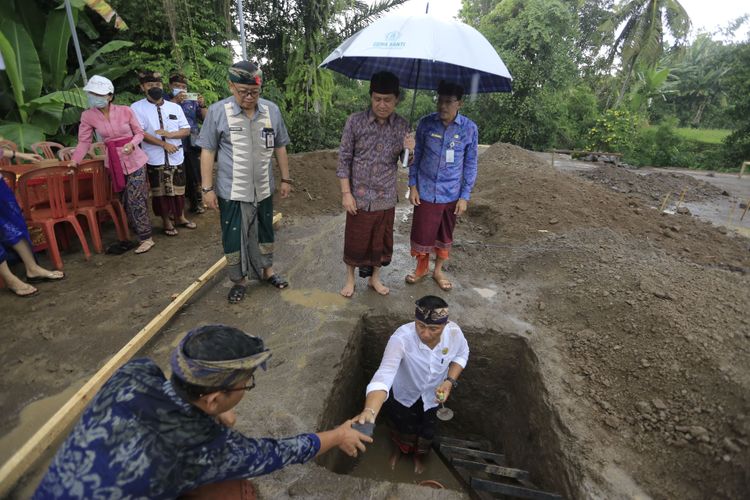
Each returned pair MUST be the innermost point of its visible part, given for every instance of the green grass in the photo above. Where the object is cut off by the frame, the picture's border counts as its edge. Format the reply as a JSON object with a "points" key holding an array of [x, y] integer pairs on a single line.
{"points": [[707, 135]]}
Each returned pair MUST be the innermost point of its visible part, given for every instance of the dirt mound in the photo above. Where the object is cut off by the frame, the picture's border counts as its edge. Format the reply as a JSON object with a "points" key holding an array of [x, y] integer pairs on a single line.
{"points": [[648, 309], [654, 187]]}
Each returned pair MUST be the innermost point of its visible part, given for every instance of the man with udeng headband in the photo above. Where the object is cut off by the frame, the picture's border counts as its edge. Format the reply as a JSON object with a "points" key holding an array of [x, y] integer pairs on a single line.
{"points": [[368, 163], [146, 436], [440, 181], [246, 131]]}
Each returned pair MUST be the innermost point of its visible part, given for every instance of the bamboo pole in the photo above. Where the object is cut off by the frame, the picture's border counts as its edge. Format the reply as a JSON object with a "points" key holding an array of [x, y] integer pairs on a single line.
{"points": [[664, 203], [682, 197], [48, 434]]}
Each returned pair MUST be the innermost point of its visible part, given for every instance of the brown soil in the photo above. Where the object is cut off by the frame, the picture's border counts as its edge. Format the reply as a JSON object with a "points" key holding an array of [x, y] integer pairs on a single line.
{"points": [[653, 187], [643, 316]]}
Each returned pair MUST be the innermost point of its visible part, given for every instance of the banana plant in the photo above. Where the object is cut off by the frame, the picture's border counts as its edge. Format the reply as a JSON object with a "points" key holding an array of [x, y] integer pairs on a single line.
{"points": [[44, 96]]}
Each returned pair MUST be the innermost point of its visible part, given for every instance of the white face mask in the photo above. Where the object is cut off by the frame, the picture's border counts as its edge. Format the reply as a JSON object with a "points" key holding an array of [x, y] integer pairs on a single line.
{"points": [[176, 92], [96, 101]]}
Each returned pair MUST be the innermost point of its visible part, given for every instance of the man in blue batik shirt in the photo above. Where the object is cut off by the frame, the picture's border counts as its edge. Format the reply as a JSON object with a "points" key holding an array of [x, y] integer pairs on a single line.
{"points": [[440, 181], [144, 436]]}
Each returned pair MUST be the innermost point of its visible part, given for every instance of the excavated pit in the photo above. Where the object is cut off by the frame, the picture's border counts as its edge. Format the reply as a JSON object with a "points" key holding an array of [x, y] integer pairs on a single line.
{"points": [[501, 399]]}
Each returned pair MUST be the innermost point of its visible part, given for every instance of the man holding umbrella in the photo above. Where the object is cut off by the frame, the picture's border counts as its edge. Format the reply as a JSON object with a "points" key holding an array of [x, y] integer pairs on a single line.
{"points": [[440, 181], [370, 146]]}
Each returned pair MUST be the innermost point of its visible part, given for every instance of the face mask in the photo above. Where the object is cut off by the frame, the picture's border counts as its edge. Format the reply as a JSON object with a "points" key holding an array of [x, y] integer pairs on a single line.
{"points": [[96, 101], [176, 92], [155, 93]]}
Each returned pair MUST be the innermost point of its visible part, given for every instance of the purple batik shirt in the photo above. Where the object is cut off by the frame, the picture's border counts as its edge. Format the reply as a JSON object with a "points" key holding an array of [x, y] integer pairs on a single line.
{"points": [[368, 156]]}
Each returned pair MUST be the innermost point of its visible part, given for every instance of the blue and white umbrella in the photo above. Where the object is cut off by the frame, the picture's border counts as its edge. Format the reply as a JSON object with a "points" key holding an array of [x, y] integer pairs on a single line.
{"points": [[422, 50]]}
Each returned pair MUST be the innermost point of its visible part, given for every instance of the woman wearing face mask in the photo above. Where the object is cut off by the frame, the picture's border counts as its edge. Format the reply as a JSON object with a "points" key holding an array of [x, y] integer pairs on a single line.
{"points": [[118, 127]]}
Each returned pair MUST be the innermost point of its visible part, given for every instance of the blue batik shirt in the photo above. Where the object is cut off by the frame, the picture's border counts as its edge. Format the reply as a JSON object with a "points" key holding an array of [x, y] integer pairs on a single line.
{"points": [[139, 439], [442, 176]]}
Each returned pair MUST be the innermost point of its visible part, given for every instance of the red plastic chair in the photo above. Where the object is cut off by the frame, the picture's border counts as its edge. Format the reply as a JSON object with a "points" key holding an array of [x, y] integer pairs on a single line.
{"points": [[9, 178], [92, 173], [55, 207], [7, 145], [47, 149], [66, 153]]}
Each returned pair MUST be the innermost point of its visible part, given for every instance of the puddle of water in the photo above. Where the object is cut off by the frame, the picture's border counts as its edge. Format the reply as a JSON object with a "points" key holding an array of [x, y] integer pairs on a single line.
{"points": [[33, 416], [373, 464], [315, 299], [485, 293]]}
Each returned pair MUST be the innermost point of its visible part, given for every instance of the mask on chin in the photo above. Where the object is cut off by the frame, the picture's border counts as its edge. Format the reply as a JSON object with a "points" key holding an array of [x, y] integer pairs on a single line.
{"points": [[155, 93]]}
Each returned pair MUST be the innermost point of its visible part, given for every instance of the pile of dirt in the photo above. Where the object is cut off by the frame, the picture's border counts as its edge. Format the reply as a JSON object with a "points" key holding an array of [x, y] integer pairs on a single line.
{"points": [[653, 187], [649, 310]]}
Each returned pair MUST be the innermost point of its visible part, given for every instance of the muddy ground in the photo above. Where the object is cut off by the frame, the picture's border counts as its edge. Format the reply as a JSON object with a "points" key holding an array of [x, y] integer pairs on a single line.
{"points": [[610, 342]]}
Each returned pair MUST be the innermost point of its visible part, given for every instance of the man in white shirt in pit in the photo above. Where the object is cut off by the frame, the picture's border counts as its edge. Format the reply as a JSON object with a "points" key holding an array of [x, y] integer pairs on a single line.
{"points": [[164, 126], [420, 367]]}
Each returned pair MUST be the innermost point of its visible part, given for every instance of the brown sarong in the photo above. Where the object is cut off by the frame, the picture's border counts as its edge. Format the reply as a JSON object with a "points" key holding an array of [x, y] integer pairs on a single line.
{"points": [[432, 227], [368, 238]]}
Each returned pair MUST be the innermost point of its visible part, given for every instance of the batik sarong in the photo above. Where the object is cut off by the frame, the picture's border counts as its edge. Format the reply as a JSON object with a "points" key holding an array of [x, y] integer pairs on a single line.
{"points": [[368, 238], [135, 200], [167, 189], [247, 237], [412, 428], [432, 228], [12, 224]]}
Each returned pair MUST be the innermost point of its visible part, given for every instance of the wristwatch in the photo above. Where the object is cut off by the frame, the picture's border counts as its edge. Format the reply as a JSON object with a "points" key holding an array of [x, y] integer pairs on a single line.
{"points": [[207, 190], [288, 181], [453, 381]]}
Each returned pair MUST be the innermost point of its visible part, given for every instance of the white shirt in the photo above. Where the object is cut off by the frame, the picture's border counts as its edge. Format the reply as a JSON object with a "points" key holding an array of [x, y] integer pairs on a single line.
{"points": [[413, 369], [173, 118]]}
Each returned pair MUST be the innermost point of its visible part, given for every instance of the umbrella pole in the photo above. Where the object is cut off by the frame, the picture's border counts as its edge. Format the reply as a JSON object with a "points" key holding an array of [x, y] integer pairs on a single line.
{"points": [[411, 113]]}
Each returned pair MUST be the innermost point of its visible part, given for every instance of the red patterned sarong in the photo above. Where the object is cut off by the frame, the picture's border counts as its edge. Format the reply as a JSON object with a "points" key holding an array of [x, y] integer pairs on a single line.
{"points": [[432, 228], [368, 238]]}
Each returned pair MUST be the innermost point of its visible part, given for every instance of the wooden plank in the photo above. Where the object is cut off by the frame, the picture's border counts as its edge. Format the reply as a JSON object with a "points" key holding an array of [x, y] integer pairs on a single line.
{"points": [[478, 445], [457, 450], [490, 469], [511, 490], [277, 218], [29, 453]]}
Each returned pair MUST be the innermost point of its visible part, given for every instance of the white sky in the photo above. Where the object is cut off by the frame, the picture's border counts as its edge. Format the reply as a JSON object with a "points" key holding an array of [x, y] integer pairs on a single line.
{"points": [[705, 14]]}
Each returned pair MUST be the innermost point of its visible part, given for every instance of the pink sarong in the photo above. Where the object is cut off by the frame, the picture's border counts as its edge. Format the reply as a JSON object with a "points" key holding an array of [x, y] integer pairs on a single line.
{"points": [[115, 165]]}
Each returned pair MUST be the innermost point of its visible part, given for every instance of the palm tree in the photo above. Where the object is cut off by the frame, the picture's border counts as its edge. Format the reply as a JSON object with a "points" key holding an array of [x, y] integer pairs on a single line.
{"points": [[641, 38]]}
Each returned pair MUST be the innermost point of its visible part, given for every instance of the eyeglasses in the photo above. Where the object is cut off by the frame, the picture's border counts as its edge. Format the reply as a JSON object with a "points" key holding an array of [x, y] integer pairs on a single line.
{"points": [[245, 388], [446, 102], [244, 93]]}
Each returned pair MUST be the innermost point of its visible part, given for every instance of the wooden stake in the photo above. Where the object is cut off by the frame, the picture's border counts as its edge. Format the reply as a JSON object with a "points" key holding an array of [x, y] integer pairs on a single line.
{"points": [[747, 205], [682, 197], [664, 203], [48, 434], [731, 214], [742, 168]]}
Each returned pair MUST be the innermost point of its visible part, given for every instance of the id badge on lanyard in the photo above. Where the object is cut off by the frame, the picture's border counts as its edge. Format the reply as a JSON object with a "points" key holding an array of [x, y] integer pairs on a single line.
{"points": [[268, 137], [450, 154]]}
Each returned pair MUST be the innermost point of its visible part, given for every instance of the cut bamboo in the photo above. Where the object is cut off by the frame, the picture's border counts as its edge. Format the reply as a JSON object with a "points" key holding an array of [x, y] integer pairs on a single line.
{"points": [[48, 434]]}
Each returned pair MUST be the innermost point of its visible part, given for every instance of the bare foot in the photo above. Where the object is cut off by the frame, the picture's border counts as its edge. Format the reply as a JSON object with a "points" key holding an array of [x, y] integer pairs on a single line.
{"points": [[145, 246], [378, 286], [22, 289], [393, 460], [418, 464], [348, 289]]}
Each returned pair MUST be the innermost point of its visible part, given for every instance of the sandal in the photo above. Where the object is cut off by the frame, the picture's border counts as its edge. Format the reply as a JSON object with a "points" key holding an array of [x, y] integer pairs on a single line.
{"points": [[188, 225], [444, 284], [145, 246], [277, 281], [236, 294], [171, 231], [40, 279], [413, 278]]}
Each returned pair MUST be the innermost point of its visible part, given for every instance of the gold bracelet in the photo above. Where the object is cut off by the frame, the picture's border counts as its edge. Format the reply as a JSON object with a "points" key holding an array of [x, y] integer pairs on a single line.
{"points": [[372, 411]]}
